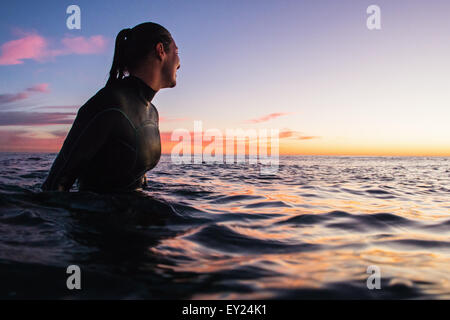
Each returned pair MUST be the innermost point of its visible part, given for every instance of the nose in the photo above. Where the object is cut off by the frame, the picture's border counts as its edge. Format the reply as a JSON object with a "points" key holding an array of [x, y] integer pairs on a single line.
{"points": [[179, 66]]}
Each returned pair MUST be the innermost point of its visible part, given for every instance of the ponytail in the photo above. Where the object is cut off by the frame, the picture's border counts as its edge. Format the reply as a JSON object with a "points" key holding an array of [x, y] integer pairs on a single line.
{"points": [[133, 46], [119, 64]]}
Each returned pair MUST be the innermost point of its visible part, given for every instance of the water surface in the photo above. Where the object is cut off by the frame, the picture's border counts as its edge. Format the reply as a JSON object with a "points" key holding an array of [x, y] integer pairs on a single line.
{"points": [[216, 231]]}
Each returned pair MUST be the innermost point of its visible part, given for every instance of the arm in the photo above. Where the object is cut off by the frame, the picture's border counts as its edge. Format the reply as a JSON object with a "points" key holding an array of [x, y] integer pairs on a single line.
{"points": [[88, 134]]}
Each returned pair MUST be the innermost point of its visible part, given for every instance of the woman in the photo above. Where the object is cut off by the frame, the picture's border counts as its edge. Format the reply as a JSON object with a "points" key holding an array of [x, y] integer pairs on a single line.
{"points": [[114, 139]]}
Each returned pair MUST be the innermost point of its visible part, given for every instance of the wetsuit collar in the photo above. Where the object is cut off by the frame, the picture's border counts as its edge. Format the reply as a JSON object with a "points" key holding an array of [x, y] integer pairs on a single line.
{"points": [[147, 92]]}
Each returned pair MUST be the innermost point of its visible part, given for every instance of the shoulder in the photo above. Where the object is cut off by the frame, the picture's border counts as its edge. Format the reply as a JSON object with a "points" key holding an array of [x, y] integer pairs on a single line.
{"points": [[94, 103], [110, 96], [103, 107]]}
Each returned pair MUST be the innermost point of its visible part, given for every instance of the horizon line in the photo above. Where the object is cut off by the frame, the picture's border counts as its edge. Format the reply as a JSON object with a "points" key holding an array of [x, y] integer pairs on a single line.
{"points": [[285, 154]]}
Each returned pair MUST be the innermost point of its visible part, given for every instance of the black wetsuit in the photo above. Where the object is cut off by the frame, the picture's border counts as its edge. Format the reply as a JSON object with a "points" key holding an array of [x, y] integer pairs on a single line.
{"points": [[113, 141]]}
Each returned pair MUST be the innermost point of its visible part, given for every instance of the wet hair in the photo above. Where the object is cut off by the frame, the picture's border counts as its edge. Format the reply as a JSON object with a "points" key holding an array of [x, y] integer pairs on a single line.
{"points": [[134, 45]]}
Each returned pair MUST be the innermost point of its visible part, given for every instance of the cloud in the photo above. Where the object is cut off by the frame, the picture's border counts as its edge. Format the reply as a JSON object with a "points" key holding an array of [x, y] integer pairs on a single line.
{"points": [[81, 45], [267, 117], [287, 133], [23, 118], [40, 87], [246, 139], [35, 47], [31, 46], [68, 107], [12, 97], [31, 141], [39, 140]]}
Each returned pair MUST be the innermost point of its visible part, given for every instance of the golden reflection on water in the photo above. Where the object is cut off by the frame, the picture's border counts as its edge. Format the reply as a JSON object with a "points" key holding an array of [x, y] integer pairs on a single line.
{"points": [[317, 269], [296, 202]]}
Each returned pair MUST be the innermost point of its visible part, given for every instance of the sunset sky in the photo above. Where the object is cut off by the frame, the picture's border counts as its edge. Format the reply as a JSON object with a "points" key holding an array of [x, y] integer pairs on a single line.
{"points": [[311, 69]]}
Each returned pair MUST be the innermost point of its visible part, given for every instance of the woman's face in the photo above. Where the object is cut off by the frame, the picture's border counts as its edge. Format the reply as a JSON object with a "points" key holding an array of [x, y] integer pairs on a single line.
{"points": [[171, 65]]}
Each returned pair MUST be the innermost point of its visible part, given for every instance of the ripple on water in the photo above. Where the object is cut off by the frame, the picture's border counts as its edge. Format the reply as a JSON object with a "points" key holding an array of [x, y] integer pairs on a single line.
{"points": [[235, 198], [268, 204], [224, 238], [24, 217], [416, 244]]}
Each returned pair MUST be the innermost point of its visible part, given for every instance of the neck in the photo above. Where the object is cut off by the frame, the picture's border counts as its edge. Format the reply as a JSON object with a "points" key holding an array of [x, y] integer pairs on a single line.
{"points": [[151, 77]]}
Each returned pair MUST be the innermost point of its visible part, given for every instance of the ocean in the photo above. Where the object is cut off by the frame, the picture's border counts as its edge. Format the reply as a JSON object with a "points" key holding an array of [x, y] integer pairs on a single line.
{"points": [[314, 230]]}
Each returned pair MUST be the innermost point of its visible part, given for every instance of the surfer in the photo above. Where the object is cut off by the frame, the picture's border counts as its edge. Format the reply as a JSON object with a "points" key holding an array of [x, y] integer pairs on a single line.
{"points": [[115, 139]]}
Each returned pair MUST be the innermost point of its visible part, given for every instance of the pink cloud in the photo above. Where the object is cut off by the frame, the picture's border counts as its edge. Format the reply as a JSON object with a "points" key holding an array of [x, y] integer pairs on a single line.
{"points": [[24, 118], [267, 117], [31, 46], [11, 97], [35, 47], [60, 133], [26, 140], [40, 87], [287, 133], [67, 107], [81, 45]]}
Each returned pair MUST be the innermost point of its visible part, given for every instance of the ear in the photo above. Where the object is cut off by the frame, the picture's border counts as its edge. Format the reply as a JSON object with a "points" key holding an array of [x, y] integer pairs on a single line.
{"points": [[159, 50]]}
